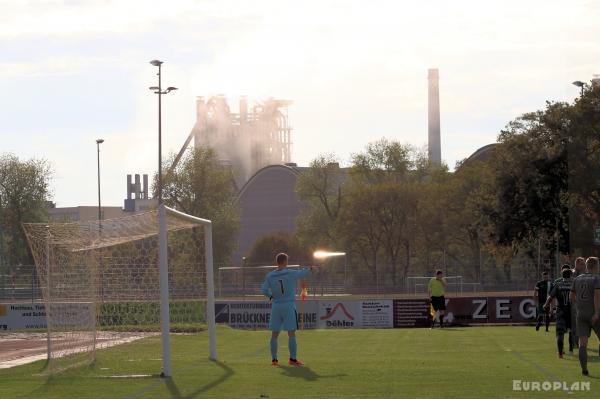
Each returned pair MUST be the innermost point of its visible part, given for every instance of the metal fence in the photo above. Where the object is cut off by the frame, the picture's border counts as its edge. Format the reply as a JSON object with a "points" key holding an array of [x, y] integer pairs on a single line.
{"points": [[246, 281], [19, 284]]}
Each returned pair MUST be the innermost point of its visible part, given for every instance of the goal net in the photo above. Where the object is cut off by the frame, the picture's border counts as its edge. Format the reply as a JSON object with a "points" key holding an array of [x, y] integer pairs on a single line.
{"points": [[111, 282]]}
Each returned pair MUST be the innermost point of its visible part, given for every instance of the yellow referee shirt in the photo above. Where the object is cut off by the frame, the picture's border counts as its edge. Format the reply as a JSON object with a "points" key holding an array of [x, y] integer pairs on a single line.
{"points": [[436, 287]]}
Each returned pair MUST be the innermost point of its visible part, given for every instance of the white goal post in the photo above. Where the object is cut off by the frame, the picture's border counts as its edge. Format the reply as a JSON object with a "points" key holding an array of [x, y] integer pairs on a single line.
{"points": [[117, 280], [164, 284]]}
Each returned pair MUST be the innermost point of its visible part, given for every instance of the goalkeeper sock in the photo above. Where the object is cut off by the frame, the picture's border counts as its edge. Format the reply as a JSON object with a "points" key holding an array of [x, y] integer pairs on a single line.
{"points": [[583, 357], [441, 320], [547, 317], [560, 342], [293, 347], [273, 348]]}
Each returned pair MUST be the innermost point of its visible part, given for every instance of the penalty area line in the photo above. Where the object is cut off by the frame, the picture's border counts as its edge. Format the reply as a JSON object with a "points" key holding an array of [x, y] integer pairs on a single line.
{"points": [[539, 368], [522, 358]]}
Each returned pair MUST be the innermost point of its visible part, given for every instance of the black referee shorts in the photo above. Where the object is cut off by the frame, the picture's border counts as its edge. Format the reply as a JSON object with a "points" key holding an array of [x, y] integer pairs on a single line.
{"points": [[438, 302]]}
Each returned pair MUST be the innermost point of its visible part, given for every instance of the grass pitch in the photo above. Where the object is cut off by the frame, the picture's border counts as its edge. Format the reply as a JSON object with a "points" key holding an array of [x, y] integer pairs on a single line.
{"points": [[476, 362]]}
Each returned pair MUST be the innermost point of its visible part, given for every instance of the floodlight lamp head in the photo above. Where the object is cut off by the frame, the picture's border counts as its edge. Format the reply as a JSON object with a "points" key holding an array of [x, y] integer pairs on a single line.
{"points": [[327, 254], [578, 83], [99, 141], [153, 88], [156, 62], [171, 88]]}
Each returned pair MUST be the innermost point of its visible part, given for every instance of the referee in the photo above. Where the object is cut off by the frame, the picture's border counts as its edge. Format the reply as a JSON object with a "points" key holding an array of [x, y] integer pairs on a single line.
{"points": [[437, 289]]}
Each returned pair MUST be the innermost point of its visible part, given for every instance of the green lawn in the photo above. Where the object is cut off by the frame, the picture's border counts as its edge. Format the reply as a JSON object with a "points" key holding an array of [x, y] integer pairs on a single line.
{"points": [[476, 362]]}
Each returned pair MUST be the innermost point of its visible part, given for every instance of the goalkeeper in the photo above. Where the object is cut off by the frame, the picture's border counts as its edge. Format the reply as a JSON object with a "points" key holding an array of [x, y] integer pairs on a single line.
{"points": [[280, 287]]}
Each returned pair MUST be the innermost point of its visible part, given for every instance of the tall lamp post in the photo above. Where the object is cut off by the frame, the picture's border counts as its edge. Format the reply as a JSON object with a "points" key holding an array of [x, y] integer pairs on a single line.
{"points": [[579, 84], [244, 276], [98, 142], [162, 237], [158, 90]]}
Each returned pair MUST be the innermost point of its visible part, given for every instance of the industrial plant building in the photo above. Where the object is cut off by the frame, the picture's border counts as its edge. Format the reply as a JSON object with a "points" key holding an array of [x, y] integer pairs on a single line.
{"points": [[249, 140]]}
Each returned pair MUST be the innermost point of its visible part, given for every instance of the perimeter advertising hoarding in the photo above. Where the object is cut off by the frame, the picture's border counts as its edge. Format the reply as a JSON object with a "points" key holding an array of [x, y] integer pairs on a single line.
{"points": [[22, 316], [464, 311], [255, 315], [356, 314], [318, 314]]}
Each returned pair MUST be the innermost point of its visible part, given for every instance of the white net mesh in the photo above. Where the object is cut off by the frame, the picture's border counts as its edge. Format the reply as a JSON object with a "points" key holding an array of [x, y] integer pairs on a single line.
{"points": [[100, 281]]}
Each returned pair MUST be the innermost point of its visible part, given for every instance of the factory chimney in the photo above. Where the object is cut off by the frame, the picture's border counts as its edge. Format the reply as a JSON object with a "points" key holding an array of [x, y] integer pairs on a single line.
{"points": [[434, 143]]}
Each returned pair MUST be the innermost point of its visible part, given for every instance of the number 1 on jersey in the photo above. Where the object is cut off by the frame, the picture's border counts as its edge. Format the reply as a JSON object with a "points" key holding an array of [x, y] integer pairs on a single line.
{"points": [[281, 285]]}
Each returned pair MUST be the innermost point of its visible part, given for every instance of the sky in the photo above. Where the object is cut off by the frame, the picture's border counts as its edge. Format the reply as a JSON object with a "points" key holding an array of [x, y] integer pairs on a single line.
{"points": [[75, 71]]}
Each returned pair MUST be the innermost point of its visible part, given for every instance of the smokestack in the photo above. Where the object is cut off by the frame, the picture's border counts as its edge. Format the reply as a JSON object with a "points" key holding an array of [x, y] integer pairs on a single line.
{"points": [[145, 189], [434, 144], [138, 187], [130, 187]]}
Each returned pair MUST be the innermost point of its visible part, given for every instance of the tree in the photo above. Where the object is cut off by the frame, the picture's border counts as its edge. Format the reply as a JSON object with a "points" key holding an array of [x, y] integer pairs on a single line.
{"points": [[396, 210], [201, 186], [359, 228], [24, 196], [583, 140], [468, 200], [266, 247], [379, 217], [320, 188], [530, 177], [384, 161]]}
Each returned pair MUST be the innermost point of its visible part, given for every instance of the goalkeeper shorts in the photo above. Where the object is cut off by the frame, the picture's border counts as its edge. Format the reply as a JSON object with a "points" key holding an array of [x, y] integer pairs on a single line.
{"points": [[283, 317]]}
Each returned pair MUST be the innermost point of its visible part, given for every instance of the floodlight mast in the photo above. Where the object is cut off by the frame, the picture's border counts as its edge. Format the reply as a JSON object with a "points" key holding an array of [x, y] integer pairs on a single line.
{"points": [[579, 84], [158, 90], [98, 142], [328, 254], [162, 236]]}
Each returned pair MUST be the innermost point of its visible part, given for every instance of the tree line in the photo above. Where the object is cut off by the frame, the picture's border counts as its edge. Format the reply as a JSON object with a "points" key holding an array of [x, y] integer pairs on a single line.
{"points": [[24, 195], [533, 201]]}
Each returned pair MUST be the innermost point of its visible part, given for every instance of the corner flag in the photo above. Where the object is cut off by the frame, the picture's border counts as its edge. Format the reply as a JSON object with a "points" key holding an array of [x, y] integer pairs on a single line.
{"points": [[303, 295], [432, 311]]}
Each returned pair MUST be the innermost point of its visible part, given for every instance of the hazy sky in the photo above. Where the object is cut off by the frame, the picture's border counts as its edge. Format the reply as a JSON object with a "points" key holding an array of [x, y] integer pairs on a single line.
{"points": [[74, 71]]}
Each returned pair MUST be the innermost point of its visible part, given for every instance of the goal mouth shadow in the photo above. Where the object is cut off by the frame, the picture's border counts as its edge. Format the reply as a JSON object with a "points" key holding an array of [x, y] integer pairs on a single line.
{"points": [[306, 373], [176, 393]]}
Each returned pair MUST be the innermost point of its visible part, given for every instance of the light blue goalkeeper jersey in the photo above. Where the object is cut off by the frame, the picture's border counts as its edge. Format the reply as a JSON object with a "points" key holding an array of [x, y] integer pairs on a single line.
{"points": [[282, 284]]}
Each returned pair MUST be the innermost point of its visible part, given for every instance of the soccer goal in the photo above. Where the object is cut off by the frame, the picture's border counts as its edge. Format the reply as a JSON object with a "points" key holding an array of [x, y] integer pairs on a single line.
{"points": [[114, 281]]}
